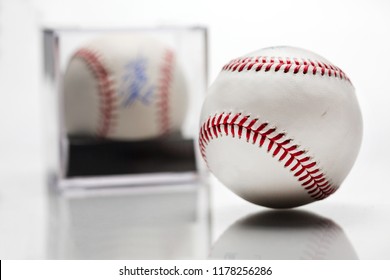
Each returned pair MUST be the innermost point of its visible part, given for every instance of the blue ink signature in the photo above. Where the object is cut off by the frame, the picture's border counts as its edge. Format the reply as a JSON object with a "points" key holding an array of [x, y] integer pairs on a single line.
{"points": [[135, 81]]}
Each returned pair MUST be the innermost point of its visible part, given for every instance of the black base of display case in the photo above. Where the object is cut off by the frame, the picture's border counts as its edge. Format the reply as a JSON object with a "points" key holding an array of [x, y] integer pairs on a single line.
{"points": [[95, 157]]}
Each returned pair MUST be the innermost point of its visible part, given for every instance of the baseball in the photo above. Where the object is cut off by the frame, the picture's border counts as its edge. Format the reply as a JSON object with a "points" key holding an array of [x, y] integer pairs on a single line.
{"points": [[281, 127], [122, 86]]}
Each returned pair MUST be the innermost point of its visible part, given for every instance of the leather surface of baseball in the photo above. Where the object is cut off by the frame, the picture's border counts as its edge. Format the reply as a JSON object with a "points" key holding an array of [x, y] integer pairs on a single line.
{"points": [[281, 127]]}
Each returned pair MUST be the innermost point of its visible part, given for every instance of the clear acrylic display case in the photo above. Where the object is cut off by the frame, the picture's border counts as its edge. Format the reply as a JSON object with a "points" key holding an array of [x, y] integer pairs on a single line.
{"points": [[85, 163]]}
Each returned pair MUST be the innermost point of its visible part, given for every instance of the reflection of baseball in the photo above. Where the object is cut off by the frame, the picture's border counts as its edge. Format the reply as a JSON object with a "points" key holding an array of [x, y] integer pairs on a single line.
{"points": [[288, 235], [123, 87], [281, 127]]}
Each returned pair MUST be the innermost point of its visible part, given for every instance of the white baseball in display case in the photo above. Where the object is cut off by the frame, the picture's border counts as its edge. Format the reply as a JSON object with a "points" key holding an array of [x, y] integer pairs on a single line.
{"points": [[124, 86]]}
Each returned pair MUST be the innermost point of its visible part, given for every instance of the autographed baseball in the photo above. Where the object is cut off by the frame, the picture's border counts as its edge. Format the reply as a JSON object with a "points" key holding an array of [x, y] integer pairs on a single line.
{"points": [[281, 127], [123, 86]]}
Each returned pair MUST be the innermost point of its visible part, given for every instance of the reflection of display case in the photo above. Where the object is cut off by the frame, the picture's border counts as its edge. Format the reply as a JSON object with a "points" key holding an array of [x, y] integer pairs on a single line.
{"points": [[137, 223], [91, 162]]}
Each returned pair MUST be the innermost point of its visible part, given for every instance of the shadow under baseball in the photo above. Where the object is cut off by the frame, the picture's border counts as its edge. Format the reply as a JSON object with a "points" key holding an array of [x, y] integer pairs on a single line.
{"points": [[287, 235]]}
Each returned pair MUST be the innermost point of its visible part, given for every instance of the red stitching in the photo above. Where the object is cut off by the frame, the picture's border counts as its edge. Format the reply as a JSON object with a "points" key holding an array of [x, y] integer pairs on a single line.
{"points": [[286, 64], [304, 168], [165, 84], [107, 94]]}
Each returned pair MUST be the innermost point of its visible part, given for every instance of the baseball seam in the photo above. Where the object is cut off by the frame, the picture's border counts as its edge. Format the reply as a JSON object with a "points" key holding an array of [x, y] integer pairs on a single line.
{"points": [[285, 65], [107, 96], [304, 168], [164, 90]]}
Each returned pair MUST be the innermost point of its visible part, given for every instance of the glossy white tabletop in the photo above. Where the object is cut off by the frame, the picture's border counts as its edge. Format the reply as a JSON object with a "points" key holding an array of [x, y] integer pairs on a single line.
{"points": [[192, 222]]}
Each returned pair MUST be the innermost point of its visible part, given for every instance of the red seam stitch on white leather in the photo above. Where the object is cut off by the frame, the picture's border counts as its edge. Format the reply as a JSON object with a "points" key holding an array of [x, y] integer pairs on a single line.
{"points": [[163, 95], [107, 96], [306, 170], [294, 65]]}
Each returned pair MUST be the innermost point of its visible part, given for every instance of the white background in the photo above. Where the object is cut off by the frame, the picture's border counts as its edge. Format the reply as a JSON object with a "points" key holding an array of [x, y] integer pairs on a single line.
{"points": [[351, 34]]}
